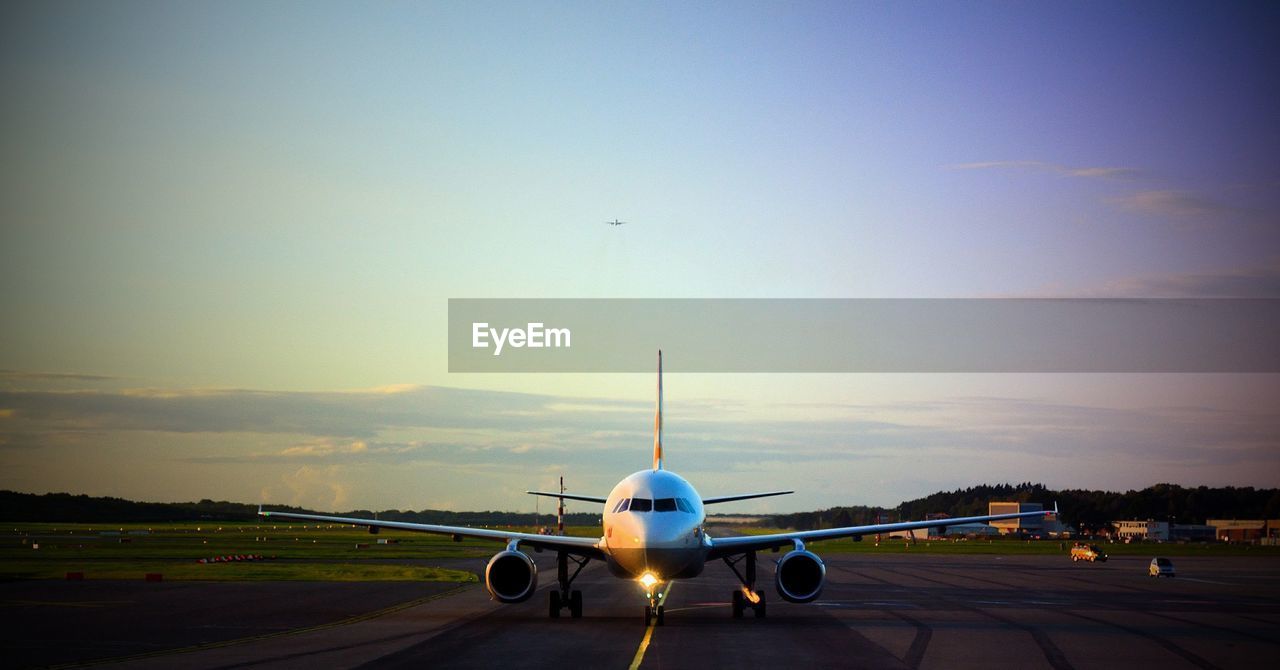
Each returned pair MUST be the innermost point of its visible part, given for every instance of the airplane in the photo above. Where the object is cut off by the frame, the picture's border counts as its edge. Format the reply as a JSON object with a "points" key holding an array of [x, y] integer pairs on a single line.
{"points": [[615, 222], [654, 531]]}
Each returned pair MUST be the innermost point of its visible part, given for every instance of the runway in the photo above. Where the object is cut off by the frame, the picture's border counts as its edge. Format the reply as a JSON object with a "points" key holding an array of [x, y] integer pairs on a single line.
{"points": [[899, 611]]}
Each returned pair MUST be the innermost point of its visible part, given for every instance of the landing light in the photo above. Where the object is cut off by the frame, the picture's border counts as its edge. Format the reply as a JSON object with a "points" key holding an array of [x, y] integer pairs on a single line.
{"points": [[648, 579]]}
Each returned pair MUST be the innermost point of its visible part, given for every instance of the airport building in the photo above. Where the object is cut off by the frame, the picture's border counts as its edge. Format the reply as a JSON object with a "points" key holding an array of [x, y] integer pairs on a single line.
{"points": [[1192, 532], [958, 530], [1246, 530], [1151, 531], [1026, 525], [971, 530]]}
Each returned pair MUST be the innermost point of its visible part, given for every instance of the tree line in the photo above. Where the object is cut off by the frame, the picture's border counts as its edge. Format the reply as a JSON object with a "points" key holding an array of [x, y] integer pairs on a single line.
{"points": [[68, 508], [1089, 511]]}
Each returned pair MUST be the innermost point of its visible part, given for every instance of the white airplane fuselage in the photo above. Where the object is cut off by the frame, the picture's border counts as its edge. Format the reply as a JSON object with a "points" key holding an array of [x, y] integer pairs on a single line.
{"points": [[654, 523]]}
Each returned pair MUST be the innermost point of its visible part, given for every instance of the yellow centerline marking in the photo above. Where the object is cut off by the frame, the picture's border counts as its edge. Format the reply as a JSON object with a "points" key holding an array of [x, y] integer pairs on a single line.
{"points": [[648, 632]]}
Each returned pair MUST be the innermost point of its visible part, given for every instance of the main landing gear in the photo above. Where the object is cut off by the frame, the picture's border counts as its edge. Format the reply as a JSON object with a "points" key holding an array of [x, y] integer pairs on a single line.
{"points": [[747, 595], [562, 597]]}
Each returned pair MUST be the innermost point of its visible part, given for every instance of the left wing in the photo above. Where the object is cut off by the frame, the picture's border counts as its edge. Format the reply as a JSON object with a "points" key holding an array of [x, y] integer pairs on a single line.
{"points": [[581, 546], [744, 496], [729, 546]]}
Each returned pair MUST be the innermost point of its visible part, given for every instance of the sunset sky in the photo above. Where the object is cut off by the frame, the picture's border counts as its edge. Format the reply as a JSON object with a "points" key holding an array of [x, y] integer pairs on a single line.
{"points": [[229, 232]]}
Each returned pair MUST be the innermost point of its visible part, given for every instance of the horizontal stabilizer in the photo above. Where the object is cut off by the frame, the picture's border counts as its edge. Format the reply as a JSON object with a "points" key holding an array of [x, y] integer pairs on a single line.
{"points": [[568, 496], [744, 496]]}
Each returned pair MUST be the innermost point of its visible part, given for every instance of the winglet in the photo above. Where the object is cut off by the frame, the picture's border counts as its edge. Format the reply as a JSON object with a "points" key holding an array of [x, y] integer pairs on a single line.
{"points": [[657, 421], [260, 510]]}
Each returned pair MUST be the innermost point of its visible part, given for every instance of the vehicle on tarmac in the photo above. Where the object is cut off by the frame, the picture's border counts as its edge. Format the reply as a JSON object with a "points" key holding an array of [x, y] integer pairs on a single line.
{"points": [[1161, 567], [1087, 552]]}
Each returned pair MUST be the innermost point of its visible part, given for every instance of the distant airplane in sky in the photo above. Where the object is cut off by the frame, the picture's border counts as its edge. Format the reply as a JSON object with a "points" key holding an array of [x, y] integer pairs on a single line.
{"points": [[615, 222], [655, 532]]}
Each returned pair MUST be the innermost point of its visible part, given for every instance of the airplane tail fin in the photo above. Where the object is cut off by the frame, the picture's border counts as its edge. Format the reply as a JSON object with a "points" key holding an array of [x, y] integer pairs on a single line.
{"points": [[657, 421]]}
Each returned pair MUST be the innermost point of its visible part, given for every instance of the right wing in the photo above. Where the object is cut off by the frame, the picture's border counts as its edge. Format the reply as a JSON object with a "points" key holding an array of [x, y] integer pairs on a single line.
{"points": [[731, 546], [581, 546], [569, 496]]}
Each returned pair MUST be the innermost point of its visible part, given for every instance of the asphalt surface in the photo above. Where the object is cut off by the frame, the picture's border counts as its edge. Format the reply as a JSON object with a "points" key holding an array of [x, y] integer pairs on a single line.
{"points": [[900, 611]]}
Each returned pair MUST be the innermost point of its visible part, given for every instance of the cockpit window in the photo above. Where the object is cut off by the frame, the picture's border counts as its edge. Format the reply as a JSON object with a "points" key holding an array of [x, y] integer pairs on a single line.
{"points": [[664, 505], [684, 505], [621, 506], [641, 504]]}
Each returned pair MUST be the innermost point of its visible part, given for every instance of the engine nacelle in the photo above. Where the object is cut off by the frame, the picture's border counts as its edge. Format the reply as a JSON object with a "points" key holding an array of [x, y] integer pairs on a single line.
{"points": [[510, 577], [799, 576]]}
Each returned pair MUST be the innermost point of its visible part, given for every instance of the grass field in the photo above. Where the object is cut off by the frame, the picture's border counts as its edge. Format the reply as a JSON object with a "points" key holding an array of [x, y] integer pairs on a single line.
{"points": [[298, 551], [290, 552], [868, 545]]}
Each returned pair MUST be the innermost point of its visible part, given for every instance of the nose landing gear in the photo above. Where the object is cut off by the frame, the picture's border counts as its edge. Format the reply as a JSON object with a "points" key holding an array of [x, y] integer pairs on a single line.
{"points": [[654, 612], [651, 613]]}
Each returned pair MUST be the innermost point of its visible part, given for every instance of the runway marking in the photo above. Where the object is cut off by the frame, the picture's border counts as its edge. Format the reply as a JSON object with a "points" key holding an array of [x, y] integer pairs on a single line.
{"points": [[1195, 660], [265, 636], [1205, 581], [919, 644], [648, 632]]}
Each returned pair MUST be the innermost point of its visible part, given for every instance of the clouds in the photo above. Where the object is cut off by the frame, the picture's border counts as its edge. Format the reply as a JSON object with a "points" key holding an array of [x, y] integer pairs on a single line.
{"points": [[1096, 172], [1174, 204], [312, 487], [1260, 281], [18, 377], [355, 414], [329, 450], [480, 448]]}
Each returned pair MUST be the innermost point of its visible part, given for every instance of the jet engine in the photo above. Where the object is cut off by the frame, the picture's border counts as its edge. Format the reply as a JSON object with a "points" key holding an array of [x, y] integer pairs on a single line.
{"points": [[510, 577], [799, 576]]}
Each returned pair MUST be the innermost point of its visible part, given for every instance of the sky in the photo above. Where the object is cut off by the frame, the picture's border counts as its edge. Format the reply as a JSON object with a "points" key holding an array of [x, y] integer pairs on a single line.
{"points": [[229, 232]]}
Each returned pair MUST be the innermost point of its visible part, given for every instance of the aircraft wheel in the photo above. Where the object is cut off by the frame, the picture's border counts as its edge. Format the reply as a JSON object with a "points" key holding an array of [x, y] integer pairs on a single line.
{"points": [[759, 608], [648, 615], [575, 604], [662, 614], [555, 605], [738, 599]]}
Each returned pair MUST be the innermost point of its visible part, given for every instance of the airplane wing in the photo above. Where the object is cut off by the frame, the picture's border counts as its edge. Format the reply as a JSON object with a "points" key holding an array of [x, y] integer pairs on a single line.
{"points": [[568, 496], [729, 546], [744, 496], [581, 546]]}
